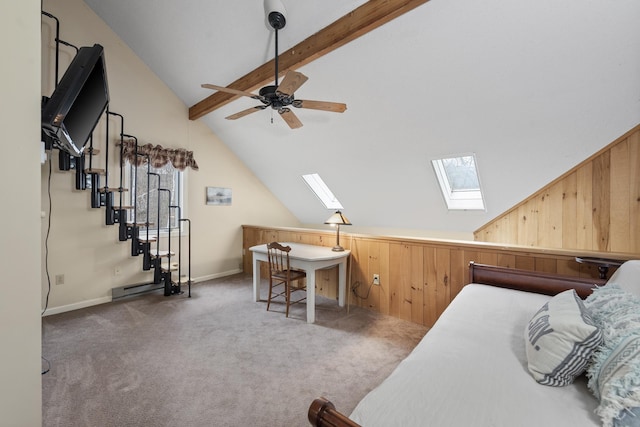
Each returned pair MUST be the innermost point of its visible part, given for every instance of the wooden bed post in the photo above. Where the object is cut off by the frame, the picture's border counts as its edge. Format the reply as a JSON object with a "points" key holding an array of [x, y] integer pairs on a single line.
{"points": [[323, 413]]}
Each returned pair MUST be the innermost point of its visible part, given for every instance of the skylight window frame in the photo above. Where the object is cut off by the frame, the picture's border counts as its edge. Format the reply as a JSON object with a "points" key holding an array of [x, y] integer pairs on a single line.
{"points": [[322, 191], [459, 200]]}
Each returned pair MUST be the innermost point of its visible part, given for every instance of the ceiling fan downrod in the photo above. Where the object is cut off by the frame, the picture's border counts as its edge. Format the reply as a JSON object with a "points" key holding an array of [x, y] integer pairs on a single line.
{"points": [[276, 16], [276, 79]]}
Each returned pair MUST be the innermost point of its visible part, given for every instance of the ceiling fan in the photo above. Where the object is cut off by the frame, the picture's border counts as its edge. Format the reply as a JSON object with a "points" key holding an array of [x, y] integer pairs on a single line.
{"points": [[280, 97]]}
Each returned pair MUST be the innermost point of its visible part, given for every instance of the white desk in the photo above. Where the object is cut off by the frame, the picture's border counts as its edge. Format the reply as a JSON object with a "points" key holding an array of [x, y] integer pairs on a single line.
{"points": [[308, 258]]}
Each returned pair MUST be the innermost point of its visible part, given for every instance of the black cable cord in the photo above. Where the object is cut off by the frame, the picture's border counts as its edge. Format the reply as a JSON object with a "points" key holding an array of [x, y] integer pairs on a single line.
{"points": [[46, 257], [354, 289], [46, 240], [46, 254], [44, 371]]}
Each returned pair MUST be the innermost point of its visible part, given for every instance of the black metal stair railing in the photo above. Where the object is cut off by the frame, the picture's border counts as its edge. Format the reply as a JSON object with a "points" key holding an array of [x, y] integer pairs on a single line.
{"points": [[139, 246], [150, 261], [188, 221], [106, 194], [117, 215], [86, 174], [126, 230], [175, 287], [165, 272]]}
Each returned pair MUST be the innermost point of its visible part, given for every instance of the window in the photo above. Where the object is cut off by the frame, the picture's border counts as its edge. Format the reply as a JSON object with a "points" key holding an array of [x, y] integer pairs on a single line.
{"points": [[459, 182], [321, 190], [170, 179]]}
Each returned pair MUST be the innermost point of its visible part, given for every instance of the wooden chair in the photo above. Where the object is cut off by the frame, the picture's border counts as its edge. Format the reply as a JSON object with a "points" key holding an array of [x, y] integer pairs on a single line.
{"points": [[280, 273]]}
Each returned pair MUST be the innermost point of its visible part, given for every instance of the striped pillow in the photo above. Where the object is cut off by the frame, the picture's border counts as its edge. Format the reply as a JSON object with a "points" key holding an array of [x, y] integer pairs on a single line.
{"points": [[560, 339]]}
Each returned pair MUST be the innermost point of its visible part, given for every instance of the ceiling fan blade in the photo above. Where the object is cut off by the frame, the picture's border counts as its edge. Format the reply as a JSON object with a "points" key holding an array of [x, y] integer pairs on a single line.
{"points": [[336, 107], [246, 112], [291, 119], [291, 82], [233, 91]]}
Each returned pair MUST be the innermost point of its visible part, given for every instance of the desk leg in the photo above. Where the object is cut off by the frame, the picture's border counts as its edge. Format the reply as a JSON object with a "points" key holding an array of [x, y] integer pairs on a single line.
{"points": [[342, 282], [311, 296], [256, 279]]}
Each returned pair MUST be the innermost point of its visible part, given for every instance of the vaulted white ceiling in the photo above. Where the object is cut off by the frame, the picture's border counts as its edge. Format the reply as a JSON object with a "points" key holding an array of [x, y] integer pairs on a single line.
{"points": [[531, 87]]}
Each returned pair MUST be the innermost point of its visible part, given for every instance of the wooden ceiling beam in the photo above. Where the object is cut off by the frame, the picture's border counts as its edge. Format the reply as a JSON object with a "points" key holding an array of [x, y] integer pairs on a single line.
{"points": [[356, 23]]}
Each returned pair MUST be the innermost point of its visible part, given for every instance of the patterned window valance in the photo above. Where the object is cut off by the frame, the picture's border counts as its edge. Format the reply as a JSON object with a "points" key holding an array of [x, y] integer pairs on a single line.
{"points": [[158, 156]]}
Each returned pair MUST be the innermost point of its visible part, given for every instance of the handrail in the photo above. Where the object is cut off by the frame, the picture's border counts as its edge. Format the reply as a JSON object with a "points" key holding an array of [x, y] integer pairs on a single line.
{"points": [[58, 43]]}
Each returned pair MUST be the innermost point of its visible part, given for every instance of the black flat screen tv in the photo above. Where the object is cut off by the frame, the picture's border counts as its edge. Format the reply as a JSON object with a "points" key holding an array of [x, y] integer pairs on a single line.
{"points": [[77, 103]]}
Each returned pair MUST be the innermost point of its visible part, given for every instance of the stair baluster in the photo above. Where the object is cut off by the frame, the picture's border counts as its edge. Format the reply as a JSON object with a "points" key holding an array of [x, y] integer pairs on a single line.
{"points": [[148, 261], [166, 275], [188, 221], [113, 214]]}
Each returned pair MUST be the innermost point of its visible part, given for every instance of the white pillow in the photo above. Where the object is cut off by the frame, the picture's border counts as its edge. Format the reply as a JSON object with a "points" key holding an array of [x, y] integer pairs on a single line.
{"points": [[627, 276], [560, 339]]}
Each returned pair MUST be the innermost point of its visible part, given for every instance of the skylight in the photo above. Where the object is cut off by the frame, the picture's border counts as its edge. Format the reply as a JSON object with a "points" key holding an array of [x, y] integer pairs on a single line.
{"points": [[320, 189], [459, 182]]}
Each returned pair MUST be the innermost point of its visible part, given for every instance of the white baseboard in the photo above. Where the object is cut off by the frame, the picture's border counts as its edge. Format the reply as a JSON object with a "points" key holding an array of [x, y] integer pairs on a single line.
{"points": [[76, 306], [217, 275], [91, 302]]}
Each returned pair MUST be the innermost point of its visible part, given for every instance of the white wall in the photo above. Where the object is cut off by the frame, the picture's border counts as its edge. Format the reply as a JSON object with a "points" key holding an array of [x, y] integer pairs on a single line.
{"points": [[81, 246], [20, 336]]}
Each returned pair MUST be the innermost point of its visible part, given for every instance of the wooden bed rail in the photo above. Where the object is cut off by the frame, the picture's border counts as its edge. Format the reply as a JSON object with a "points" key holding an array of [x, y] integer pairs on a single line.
{"points": [[531, 281], [322, 413]]}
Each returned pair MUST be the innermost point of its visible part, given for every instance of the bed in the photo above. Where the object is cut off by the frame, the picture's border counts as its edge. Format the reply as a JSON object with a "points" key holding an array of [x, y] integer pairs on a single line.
{"points": [[473, 367]]}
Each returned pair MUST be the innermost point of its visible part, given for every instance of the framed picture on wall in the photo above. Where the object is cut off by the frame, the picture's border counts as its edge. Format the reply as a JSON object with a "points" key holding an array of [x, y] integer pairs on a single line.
{"points": [[218, 196]]}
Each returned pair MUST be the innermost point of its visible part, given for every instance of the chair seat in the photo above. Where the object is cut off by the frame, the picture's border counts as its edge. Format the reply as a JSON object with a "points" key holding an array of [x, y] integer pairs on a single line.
{"points": [[281, 274], [293, 275]]}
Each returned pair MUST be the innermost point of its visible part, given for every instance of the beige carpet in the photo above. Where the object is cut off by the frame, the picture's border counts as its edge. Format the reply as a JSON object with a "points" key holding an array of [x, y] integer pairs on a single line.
{"points": [[217, 359]]}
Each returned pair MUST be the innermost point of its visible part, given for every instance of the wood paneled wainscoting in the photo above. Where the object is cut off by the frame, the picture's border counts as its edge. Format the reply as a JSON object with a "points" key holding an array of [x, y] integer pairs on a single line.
{"points": [[594, 206], [418, 277]]}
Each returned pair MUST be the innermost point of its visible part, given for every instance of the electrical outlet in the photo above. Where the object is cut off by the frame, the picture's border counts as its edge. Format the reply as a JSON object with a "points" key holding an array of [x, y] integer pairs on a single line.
{"points": [[376, 279], [59, 279], [117, 271]]}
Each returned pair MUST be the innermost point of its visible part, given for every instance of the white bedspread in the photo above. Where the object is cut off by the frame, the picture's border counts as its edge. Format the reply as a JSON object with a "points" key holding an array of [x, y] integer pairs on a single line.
{"points": [[470, 370]]}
